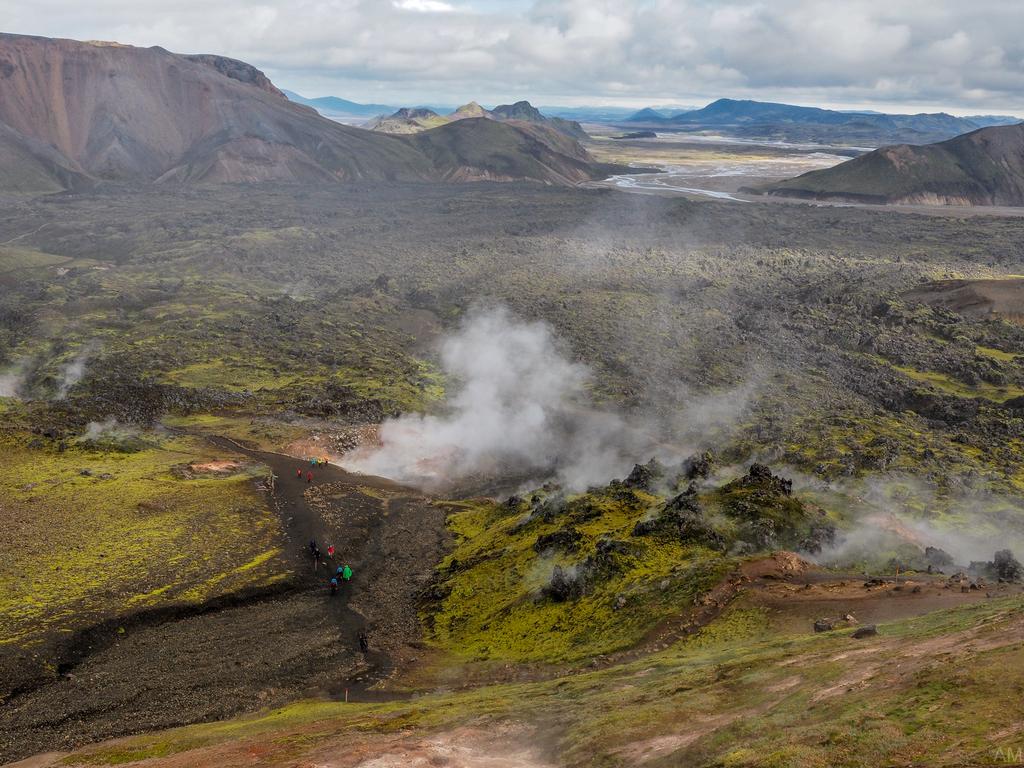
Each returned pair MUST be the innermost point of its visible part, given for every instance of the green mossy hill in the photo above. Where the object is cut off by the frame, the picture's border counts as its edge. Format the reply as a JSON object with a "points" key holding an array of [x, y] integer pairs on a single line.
{"points": [[265, 433], [89, 530], [558, 577]]}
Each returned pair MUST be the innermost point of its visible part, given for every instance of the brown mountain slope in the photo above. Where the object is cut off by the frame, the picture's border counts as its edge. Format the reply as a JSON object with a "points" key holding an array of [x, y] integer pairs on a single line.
{"points": [[556, 139], [75, 112], [984, 167], [980, 298], [475, 149], [119, 112]]}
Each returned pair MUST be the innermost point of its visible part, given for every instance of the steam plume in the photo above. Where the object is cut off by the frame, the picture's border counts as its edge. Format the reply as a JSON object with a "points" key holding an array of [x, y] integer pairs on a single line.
{"points": [[520, 406], [11, 381], [73, 372]]}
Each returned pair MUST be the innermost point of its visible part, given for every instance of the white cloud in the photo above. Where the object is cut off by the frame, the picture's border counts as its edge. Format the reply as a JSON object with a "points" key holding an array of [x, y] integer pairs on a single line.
{"points": [[965, 56], [424, 6]]}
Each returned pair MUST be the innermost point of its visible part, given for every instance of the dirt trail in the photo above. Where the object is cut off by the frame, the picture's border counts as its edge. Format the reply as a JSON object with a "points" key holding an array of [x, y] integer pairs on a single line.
{"points": [[389, 534], [26, 234], [303, 524]]}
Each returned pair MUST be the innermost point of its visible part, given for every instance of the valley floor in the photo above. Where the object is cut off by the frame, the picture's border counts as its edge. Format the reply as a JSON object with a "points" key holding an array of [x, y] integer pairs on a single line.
{"points": [[169, 360]]}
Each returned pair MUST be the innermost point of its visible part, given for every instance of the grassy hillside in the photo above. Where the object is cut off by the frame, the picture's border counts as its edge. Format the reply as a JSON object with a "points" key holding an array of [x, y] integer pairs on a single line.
{"points": [[929, 690], [502, 599], [118, 523]]}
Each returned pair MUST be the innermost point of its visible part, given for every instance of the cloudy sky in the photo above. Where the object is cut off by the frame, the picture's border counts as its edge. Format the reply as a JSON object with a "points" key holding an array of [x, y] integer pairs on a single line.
{"points": [[964, 56]]}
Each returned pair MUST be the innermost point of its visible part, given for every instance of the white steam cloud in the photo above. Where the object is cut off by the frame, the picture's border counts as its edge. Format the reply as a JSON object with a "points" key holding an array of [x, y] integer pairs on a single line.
{"points": [[73, 371], [11, 381], [520, 407], [95, 430]]}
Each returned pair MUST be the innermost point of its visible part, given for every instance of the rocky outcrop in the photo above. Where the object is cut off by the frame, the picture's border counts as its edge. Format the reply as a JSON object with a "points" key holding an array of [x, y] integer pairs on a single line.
{"points": [[237, 70], [646, 476], [524, 111], [682, 518]]}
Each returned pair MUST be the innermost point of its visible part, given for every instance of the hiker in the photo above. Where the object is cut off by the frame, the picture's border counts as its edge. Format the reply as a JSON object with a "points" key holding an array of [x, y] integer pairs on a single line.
{"points": [[340, 572], [330, 551], [346, 573], [312, 546], [364, 641], [316, 557], [309, 477], [334, 586], [298, 473]]}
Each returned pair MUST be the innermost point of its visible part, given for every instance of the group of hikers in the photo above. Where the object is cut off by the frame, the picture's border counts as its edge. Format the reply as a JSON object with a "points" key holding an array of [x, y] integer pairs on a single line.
{"points": [[314, 461], [343, 573]]}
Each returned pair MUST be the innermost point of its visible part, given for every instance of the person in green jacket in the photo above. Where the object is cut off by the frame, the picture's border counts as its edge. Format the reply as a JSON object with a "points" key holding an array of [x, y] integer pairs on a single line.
{"points": [[346, 573]]}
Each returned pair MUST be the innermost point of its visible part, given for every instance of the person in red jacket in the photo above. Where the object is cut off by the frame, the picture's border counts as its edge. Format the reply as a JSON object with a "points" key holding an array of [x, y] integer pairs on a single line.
{"points": [[298, 473], [309, 477]]}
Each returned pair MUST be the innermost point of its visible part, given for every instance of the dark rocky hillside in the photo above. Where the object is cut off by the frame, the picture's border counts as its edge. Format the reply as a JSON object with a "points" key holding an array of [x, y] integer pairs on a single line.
{"points": [[985, 167], [477, 149]]}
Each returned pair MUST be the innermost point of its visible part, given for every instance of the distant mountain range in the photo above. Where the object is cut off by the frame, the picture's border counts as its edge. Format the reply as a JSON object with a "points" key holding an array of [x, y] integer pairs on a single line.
{"points": [[414, 120], [985, 121], [588, 114], [650, 115], [786, 122], [333, 106], [74, 114], [985, 167]]}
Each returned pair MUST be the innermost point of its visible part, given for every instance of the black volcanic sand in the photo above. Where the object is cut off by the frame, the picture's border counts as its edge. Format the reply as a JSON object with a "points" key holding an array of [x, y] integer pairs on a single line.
{"points": [[175, 667]]}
